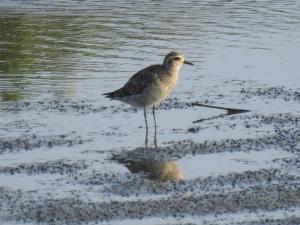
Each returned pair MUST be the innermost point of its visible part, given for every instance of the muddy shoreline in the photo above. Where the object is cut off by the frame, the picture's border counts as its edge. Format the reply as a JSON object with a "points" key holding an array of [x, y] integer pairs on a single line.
{"points": [[150, 183]]}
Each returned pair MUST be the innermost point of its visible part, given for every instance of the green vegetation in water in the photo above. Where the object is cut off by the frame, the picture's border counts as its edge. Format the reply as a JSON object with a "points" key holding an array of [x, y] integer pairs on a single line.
{"points": [[41, 46]]}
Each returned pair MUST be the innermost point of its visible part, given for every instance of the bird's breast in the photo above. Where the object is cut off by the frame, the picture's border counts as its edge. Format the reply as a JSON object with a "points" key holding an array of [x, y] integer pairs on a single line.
{"points": [[162, 88], [156, 91], [169, 82]]}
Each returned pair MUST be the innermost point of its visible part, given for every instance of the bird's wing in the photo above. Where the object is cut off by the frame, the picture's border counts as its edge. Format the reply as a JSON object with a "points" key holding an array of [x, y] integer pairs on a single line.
{"points": [[138, 82]]}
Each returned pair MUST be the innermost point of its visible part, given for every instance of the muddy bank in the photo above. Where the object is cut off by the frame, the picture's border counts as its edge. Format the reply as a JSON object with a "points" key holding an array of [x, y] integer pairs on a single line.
{"points": [[132, 184], [33, 141], [65, 106], [252, 120], [113, 184], [286, 221], [272, 93], [287, 140], [70, 210], [58, 166], [87, 106]]}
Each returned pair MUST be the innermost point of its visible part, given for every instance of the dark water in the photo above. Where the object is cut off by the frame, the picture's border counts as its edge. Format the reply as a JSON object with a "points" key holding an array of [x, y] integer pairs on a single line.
{"points": [[58, 49], [61, 141]]}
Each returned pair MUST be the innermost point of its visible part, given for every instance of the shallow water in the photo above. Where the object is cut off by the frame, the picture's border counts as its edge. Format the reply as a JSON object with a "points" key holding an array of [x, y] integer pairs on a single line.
{"points": [[60, 139], [78, 49]]}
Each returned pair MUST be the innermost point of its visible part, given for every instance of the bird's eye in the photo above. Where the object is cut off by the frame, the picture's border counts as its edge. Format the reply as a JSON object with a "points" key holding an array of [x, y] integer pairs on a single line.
{"points": [[177, 58]]}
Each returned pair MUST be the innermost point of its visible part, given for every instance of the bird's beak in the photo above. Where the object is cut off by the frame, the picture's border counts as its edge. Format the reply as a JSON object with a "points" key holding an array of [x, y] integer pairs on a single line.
{"points": [[187, 62]]}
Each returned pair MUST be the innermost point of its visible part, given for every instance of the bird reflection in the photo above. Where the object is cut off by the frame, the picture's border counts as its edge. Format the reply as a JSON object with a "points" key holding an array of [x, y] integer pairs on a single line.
{"points": [[154, 170]]}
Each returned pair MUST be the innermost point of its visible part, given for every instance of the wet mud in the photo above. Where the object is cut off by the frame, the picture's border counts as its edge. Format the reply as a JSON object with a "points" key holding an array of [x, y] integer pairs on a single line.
{"points": [[266, 196], [272, 93], [58, 166], [135, 185], [65, 106], [30, 142]]}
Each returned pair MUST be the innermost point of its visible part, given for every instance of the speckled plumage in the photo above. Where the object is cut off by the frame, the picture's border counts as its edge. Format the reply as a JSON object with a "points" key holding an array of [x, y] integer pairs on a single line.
{"points": [[149, 86]]}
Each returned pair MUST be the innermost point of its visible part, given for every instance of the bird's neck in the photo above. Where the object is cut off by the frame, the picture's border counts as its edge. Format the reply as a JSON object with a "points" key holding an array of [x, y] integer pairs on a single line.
{"points": [[174, 69], [173, 72]]}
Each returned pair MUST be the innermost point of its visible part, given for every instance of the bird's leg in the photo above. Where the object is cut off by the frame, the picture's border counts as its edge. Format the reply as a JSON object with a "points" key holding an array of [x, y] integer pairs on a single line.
{"points": [[146, 138], [155, 139]]}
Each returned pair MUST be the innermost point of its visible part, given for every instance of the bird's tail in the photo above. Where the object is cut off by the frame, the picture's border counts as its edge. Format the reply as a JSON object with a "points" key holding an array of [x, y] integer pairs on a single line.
{"points": [[110, 95]]}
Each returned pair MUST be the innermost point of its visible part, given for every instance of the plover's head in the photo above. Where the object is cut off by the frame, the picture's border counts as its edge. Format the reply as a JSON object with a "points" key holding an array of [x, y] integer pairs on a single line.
{"points": [[175, 59]]}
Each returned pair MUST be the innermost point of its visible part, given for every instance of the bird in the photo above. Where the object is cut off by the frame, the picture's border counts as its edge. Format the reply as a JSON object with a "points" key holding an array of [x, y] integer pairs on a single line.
{"points": [[151, 85]]}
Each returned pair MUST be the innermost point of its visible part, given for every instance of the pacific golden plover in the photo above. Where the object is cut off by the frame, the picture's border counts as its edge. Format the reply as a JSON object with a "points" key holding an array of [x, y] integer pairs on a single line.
{"points": [[149, 86]]}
